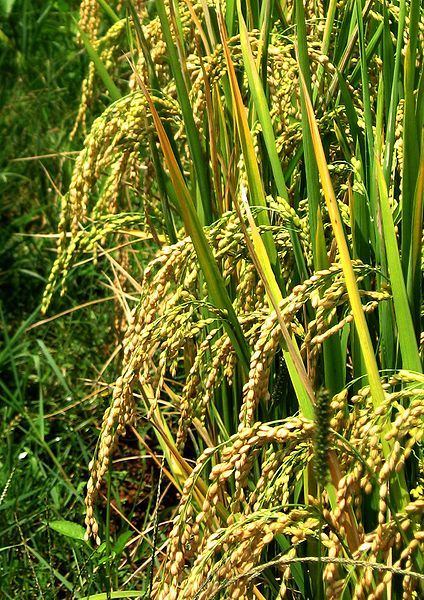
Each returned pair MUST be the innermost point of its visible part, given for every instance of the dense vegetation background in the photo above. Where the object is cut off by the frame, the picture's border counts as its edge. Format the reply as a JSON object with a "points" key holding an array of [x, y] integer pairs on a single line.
{"points": [[48, 425]]}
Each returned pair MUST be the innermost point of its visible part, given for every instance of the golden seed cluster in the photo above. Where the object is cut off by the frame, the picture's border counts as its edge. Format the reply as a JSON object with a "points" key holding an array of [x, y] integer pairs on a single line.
{"points": [[176, 351]]}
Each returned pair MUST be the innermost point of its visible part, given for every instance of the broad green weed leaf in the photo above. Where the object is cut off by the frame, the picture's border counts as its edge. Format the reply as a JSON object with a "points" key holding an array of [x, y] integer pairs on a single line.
{"points": [[121, 542], [68, 528]]}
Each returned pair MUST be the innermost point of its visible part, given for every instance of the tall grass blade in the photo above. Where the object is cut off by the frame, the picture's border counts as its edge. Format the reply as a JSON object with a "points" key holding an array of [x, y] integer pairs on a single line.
{"points": [[109, 11], [333, 359], [257, 194], [199, 162], [312, 184], [262, 110], [298, 375], [406, 334], [414, 280], [411, 135], [114, 92], [351, 285], [212, 274], [394, 92]]}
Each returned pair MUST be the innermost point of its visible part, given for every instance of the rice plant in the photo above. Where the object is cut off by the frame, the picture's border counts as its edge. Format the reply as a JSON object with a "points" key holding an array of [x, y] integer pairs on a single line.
{"points": [[272, 154]]}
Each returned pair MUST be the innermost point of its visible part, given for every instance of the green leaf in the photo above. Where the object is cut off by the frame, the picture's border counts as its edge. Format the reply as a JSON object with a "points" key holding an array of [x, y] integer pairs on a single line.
{"points": [[230, 16], [68, 528], [199, 162], [408, 345], [114, 92], [6, 7], [411, 135], [121, 542], [311, 169], [109, 11], [414, 283], [214, 279], [262, 110], [62, 6], [54, 366], [345, 259]]}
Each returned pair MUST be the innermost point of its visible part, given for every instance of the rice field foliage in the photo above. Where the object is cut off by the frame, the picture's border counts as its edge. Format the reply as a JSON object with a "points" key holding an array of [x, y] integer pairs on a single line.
{"points": [[274, 153]]}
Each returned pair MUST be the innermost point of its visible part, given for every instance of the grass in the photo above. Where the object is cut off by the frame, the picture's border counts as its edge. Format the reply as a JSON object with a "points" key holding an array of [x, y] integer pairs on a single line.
{"points": [[48, 412], [249, 195]]}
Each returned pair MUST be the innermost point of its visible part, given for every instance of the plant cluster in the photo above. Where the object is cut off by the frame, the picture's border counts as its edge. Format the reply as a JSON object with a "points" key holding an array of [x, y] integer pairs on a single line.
{"points": [[274, 154]]}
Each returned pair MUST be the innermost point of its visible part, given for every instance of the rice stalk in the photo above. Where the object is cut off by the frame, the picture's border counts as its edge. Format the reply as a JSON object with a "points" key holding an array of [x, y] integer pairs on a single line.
{"points": [[278, 325]]}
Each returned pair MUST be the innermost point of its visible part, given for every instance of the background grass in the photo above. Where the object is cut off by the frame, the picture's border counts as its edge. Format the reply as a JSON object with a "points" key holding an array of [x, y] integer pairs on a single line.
{"points": [[48, 426]]}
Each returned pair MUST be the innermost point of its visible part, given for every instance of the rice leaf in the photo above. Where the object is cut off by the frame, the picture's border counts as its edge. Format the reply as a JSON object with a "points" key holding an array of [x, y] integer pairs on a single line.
{"points": [[187, 111], [213, 277], [351, 285], [406, 334], [114, 92], [262, 110]]}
